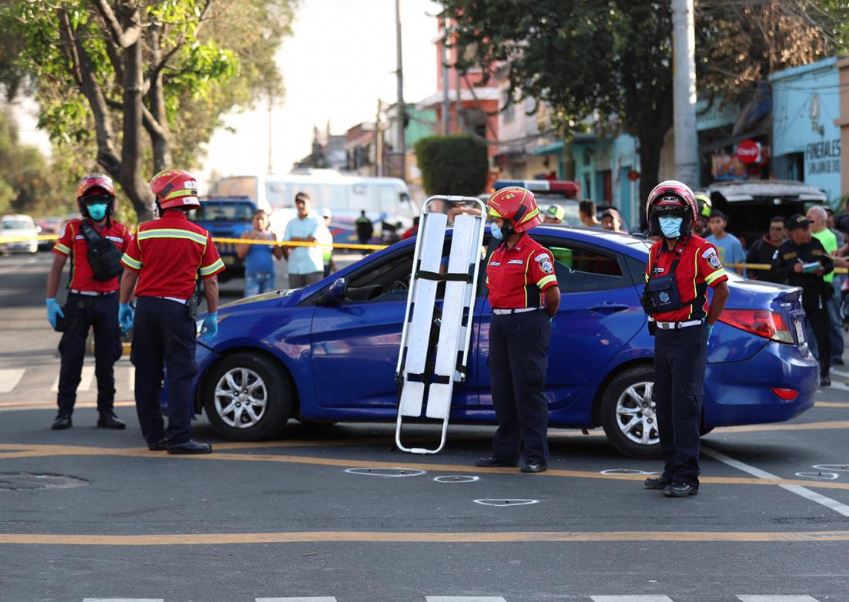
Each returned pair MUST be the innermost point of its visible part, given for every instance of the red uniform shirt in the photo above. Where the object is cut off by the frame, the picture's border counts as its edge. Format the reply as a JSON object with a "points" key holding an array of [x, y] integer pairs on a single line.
{"points": [[169, 253], [517, 277], [73, 243], [698, 267]]}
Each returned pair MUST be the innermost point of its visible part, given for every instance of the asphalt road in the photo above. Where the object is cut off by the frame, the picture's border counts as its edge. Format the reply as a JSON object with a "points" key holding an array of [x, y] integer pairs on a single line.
{"points": [[332, 514]]}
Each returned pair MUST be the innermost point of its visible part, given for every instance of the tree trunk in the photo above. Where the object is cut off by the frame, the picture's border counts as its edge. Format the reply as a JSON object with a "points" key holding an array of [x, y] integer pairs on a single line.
{"points": [[158, 135]]}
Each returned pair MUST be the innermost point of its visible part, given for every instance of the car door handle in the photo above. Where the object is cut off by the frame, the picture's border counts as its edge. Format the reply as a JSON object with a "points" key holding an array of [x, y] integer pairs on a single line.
{"points": [[608, 308]]}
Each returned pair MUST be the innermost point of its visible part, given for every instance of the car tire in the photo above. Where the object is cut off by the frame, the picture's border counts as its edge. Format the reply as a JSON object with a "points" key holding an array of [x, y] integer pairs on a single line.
{"points": [[626, 400], [247, 397]]}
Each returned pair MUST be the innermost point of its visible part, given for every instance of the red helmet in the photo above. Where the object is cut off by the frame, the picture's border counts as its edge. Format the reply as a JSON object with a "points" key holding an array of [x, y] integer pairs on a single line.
{"points": [[175, 188], [95, 180], [671, 196], [515, 204]]}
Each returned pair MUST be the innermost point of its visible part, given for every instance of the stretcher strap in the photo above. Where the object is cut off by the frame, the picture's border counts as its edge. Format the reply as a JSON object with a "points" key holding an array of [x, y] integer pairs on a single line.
{"points": [[425, 275], [428, 378]]}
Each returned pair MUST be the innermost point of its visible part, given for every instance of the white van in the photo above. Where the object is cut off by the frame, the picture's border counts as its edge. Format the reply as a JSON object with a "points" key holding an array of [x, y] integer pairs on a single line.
{"points": [[386, 201]]}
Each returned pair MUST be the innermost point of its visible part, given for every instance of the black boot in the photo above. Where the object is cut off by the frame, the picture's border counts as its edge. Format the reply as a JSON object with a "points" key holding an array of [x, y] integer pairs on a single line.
{"points": [[108, 420], [62, 422]]}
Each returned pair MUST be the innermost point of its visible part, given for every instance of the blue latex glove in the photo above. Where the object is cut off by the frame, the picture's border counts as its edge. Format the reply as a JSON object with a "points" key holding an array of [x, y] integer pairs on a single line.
{"points": [[710, 329], [210, 324], [125, 317], [53, 311]]}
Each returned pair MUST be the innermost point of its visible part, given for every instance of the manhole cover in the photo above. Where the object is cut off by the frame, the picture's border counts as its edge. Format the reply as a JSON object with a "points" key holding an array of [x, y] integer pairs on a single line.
{"points": [[385, 472], [833, 467], [502, 502], [627, 471], [456, 479], [818, 476], [24, 481]]}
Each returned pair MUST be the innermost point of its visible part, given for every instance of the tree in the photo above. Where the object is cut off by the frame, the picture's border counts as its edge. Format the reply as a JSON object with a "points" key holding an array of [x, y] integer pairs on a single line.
{"points": [[144, 82], [452, 164], [609, 62]]}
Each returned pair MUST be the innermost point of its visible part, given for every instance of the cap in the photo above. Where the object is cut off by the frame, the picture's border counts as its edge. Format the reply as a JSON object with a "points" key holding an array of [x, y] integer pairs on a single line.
{"points": [[325, 212], [798, 221]]}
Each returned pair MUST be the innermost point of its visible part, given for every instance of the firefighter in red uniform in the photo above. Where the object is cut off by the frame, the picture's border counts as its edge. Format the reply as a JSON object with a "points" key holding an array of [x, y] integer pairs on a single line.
{"points": [[524, 296], [94, 244], [680, 268], [163, 264]]}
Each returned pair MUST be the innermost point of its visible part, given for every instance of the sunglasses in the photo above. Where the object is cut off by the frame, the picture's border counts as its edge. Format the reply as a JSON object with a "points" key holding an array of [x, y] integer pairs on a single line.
{"points": [[96, 199]]}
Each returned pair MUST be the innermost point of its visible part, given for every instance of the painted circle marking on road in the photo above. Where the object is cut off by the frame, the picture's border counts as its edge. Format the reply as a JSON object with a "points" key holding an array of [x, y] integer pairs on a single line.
{"points": [[818, 476], [386, 472], [28, 481], [503, 503], [457, 479], [627, 471], [832, 467]]}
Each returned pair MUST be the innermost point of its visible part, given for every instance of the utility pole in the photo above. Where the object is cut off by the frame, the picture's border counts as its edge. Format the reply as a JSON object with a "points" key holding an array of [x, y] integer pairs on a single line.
{"points": [[378, 140], [401, 108], [684, 92], [446, 89], [270, 135]]}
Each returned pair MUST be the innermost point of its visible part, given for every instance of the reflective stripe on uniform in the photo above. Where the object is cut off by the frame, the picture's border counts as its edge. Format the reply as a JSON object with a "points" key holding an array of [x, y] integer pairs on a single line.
{"points": [[172, 233], [544, 281], [61, 248], [717, 274], [130, 262], [214, 267]]}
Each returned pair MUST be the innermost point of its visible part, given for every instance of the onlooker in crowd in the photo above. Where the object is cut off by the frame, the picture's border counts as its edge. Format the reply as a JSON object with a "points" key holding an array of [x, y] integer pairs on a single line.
{"points": [[554, 215], [802, 261], [702, 219], [587, 214], [832, 225], [92, 300], [729, 247], [325, 236], [412, 231], [259, 258], [819, 229], [365, 229], [612, 220], [306, 263], [764, 249]]}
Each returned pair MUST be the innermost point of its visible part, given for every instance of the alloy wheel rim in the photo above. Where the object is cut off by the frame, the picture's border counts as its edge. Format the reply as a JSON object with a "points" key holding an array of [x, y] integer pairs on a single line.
{"points": [[636, 414], [241, 398]]}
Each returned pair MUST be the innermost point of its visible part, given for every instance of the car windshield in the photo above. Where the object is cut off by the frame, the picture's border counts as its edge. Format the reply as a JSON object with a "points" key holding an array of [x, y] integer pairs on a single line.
{"points": [[221, 212], [16, 225]]}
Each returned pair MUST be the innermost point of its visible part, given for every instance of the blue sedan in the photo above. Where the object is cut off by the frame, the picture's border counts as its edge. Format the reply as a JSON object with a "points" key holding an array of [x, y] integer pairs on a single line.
{"points": [[327, 352]]}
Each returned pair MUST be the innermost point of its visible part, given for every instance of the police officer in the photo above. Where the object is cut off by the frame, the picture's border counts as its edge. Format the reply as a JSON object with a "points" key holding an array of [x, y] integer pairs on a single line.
{"points": [[524, 296], [92, 299], [680, 268], [163, 264], [802, 261]]}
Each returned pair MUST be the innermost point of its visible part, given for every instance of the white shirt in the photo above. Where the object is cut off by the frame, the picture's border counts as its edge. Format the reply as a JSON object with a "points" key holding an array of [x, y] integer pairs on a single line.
{"points": [[304, 260]]}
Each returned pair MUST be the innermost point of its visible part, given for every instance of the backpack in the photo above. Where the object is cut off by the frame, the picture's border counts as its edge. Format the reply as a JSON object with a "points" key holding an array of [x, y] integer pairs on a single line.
{"points": [[103, 256]]}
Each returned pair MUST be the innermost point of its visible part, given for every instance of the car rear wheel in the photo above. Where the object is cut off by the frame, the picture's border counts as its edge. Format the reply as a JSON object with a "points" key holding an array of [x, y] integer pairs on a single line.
{"points": [[628, 413], [247, 397]]}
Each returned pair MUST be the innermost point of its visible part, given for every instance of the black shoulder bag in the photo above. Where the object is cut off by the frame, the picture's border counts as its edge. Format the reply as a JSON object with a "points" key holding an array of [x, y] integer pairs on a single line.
{"points": [[103, 256]]}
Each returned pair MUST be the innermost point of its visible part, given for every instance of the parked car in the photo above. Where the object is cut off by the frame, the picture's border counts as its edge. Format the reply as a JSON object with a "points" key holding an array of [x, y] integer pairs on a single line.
{"points": [[226, 217], [49, 225], [328, 352], [22, 231], [750, 204]]}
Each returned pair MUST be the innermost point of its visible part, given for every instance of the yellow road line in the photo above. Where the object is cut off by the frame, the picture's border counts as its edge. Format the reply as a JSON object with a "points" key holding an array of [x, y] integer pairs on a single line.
{"points": [[207, 539], [23, 450], [832, 404], [804, 426]]}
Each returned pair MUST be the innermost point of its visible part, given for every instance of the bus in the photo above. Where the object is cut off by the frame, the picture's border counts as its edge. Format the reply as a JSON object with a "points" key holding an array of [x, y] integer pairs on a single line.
{"points": [[386, 201]]}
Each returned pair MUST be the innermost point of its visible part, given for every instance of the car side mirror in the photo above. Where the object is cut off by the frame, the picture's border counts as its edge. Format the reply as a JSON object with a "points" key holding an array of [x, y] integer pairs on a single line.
{"points": [[335, 293]]}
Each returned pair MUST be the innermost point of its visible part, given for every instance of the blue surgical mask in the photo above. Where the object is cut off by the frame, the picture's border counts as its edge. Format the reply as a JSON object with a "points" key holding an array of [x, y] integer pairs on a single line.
{"points": [[97, 211], [671, 226], [496, 232]]}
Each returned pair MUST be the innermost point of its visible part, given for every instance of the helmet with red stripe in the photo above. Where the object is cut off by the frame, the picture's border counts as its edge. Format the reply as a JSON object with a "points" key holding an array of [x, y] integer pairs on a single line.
{"points": [[674, 198], [175, 188], [516, 205], [96, 188]]}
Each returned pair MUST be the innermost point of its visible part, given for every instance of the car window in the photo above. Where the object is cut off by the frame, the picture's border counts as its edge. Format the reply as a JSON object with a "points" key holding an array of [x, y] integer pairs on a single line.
{"points": [[586, 269]]}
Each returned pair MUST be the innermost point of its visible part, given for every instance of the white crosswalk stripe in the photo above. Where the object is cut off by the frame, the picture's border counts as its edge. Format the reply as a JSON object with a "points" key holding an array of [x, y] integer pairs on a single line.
{"points": [[85, 380], [9, 378], [465, 599], [123, 600], [320, 599], [779, 598], [606, 598], [131, 378], [631, 599]]}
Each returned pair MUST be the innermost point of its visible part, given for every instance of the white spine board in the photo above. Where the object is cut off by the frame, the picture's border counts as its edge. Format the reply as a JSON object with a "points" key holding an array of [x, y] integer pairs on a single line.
{"points": [[432, 233], [457, 299]]}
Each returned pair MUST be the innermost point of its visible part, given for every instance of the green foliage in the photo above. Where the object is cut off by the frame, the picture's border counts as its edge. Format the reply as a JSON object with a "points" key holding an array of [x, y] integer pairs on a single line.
{"points": [[453, 164]]}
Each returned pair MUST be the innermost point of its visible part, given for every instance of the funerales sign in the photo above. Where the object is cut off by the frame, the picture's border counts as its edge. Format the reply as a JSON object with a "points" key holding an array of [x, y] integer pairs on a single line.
{"points": [[822, 157]]}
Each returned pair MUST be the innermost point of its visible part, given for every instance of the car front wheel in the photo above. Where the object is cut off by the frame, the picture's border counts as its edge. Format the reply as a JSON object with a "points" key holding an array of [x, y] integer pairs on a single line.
{"points": [[628, 413], [247, 397]]}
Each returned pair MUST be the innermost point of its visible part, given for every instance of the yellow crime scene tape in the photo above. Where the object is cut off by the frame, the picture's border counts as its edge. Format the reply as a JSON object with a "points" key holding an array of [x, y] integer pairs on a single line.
{"points": [[356, 247], [247, 241]]}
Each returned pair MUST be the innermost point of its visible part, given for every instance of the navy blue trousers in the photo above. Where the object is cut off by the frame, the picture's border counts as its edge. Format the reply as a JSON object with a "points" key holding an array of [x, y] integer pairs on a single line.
{"points": [[83, 312], [164, 338], [680, 358], [518, 358]]}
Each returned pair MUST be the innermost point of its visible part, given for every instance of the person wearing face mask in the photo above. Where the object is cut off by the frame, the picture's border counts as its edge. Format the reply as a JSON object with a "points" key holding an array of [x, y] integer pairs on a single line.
{"points": [[680, 268], [92, 298], [524, 296]]}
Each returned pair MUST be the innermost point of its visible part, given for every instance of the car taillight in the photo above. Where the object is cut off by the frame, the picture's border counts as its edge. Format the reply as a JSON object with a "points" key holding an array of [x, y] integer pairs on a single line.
{"points": [[761, 322], [785, 394]]}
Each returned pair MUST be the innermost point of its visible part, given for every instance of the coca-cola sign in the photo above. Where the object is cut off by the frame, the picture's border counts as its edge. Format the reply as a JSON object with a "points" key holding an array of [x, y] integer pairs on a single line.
{"points": [[748, 151]]}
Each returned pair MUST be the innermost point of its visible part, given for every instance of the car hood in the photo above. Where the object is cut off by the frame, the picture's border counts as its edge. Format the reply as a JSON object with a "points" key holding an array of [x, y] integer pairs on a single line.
{"points": [[251, 302]]}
